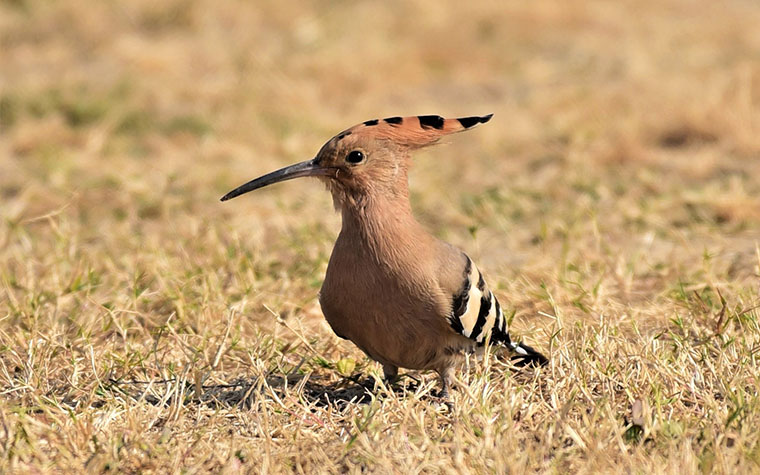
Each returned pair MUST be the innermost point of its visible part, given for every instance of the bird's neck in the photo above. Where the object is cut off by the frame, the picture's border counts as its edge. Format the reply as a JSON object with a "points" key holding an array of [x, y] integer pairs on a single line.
{"points": [[384, 229]]}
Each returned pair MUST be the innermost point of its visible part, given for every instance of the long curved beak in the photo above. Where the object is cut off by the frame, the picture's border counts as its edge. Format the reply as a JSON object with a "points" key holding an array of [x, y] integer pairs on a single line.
{"points": [[307, 168]]}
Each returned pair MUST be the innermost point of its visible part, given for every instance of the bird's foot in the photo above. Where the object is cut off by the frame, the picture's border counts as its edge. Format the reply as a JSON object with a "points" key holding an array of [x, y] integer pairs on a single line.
{"points": [[447, 381], [443, 400], [390, 374]]}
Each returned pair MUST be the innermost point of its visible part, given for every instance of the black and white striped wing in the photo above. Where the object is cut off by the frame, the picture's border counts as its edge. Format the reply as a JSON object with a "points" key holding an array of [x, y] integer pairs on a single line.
{"points": [[476, 314]]}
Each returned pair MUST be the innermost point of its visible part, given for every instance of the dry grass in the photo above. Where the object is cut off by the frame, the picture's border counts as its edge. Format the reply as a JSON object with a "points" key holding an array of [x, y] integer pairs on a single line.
{"points": [[614, 202]]}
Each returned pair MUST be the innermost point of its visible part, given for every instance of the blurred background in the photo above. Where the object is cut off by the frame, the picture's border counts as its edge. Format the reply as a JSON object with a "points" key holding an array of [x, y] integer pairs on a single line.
{"points": [[613, 202], [625, 137]]}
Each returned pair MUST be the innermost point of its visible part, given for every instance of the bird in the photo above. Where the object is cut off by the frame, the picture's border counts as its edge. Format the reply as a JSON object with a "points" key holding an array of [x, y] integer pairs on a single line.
{"points": [[404, 297]]}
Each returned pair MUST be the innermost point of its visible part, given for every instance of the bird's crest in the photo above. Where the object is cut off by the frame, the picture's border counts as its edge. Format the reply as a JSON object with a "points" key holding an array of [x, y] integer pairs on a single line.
{"points": [[414, 131]]}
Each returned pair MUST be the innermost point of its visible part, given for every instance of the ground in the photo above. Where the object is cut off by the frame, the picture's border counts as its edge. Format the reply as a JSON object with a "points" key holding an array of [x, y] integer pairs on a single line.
{"points": [[613, 202]]}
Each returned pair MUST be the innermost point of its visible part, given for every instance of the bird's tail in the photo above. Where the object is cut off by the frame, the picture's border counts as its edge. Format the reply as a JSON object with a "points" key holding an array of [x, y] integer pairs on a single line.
{"points": [[525, 355]]}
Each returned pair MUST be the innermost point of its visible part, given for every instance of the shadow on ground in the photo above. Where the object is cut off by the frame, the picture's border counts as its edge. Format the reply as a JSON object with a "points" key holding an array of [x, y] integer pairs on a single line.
{"points": [[243, 392]]}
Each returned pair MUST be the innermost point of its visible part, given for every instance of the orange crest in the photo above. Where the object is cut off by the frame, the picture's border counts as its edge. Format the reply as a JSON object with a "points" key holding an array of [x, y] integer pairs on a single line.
{"points": [[414, 131]]}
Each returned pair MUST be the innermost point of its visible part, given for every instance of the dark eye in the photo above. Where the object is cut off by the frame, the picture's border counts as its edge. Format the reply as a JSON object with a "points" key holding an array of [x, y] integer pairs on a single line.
{"points": [[355, 157]]}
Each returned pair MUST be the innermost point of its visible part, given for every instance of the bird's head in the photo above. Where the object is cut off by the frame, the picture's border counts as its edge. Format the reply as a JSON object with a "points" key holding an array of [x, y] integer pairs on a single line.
{"points": [[371, 158]]}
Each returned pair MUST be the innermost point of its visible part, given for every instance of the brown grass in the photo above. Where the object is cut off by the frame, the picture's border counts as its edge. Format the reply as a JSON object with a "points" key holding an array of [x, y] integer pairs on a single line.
{"points": [[614, 202]]}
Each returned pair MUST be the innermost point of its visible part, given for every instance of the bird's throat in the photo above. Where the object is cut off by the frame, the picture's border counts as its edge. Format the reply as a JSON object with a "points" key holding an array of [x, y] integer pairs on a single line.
{"points": [[384, 229]]}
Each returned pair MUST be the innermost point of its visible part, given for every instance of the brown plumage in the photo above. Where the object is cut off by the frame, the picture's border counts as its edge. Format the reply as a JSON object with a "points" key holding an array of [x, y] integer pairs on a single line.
{"points": [[404, 297]]}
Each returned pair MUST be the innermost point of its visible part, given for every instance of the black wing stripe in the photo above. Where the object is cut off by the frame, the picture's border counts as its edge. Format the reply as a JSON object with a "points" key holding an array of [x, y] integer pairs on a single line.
{"points": [[485, 310], [481, 282], [499, 322], [460, 300]]}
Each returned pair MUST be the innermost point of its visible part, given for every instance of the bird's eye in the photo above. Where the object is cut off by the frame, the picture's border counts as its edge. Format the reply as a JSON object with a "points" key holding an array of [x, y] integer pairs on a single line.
{"points": [[355, 157]]}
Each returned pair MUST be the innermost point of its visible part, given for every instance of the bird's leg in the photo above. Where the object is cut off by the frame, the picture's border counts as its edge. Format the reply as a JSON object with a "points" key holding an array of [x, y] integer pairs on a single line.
{"points": [[447, 380], [390, 373]]}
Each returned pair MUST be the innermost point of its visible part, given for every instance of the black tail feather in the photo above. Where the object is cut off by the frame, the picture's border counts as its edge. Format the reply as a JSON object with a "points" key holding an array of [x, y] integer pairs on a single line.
{"points": [[525, 355]]}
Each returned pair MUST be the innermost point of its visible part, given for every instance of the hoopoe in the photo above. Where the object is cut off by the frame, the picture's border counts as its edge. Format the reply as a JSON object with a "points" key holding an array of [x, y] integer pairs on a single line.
{"points": [[404, 297]]}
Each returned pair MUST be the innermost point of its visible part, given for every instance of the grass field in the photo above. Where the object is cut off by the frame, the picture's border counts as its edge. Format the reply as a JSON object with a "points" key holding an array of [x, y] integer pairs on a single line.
{"points": [[613, 202]]}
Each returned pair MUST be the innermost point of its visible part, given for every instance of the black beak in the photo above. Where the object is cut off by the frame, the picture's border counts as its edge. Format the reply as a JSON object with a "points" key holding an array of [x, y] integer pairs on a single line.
{"points": [[307, 168]]}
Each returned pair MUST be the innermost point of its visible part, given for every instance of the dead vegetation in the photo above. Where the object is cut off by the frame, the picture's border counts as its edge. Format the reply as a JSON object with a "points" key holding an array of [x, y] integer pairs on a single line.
{"points": [[613, 201]]}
